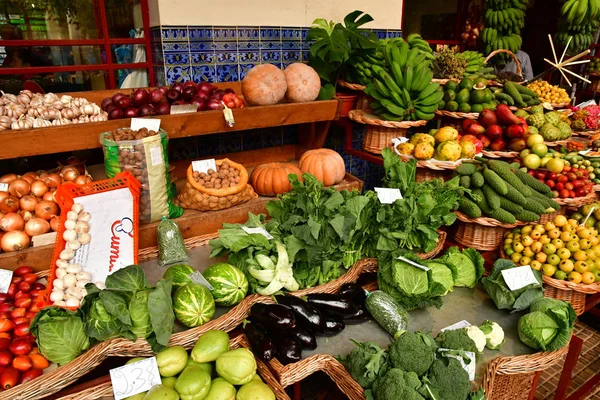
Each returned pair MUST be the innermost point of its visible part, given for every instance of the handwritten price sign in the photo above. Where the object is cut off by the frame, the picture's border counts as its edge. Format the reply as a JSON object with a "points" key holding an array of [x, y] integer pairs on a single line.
{"points": [[134, 378]]}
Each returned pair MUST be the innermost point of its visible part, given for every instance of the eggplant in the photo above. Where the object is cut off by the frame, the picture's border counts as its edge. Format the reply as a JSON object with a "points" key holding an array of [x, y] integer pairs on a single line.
{"points": [[306, 339], [333, 304], [361, 316], [262, 345], [307, 315], [332, 326], [289, 350], [353, 291], [273, 315]]}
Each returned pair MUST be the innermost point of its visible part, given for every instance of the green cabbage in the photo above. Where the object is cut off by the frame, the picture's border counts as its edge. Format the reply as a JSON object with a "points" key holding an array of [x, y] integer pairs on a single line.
{"points": [[140, 317], [506, 299], [466, 266], [442, 275], [548, 326]]}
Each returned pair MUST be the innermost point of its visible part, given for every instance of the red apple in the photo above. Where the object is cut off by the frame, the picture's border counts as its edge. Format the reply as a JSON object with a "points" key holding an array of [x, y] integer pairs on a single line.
{"points": [[517, 144], [552, 176], [550, 184], [494, 132], [485, 142], [505, 116], [487, 118], [466, 123], [514, 131], [475, 129], [498, 145]]}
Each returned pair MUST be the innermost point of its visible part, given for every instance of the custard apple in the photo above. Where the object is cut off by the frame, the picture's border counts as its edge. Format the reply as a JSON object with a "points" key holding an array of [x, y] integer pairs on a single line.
{"points": [[536, 120], [565, 130], [578, 125], [552, 117], [522, 113], [537, 109], [550, 132], [533, 130]]}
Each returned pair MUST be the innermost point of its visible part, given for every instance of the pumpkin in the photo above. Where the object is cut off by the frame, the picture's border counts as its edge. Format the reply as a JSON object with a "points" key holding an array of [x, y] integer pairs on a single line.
{"points": [[264, 85], [224, 191], [272, 179], [325, 164], [303, 83]]}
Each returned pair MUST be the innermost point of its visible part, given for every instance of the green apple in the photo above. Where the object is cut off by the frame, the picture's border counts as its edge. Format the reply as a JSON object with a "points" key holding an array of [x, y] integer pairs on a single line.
{"points": [[540, 149], [597, 275], [561, 275], [534, 139], [524, 153], [545, 161], [532, 161], [555, 165]]}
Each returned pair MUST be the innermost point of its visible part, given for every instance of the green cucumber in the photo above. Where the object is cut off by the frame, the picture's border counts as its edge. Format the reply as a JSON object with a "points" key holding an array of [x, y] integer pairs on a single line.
{"points": [[387, 312]]}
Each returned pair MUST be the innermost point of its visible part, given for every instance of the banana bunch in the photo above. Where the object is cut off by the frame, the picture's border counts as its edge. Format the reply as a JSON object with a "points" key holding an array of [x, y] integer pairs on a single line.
{"points": [[504, 20], [578, 21], [476, 65], [403, 91], [576, 12]]}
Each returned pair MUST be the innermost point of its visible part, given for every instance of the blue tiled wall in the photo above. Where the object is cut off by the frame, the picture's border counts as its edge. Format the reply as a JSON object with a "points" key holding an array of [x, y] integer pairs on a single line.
{"points": [[227, 53]]}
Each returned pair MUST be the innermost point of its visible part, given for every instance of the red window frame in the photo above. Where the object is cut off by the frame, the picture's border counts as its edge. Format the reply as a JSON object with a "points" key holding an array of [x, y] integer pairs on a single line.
{"points": [[105, 41]]}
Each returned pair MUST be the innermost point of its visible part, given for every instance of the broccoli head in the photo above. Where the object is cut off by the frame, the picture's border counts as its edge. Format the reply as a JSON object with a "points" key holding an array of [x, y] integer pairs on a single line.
{"points": [[365, 363], [413, 351], [457, 339], [397, 384], [447, 380]]}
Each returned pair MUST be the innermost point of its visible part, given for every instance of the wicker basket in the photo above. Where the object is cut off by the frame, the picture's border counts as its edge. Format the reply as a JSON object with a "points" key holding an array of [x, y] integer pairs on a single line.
{"points": [[549, 217], [426, 174], [577, 202], [514, 57], [378, 138], [363, 117], [557, 143], [499, 154], [481, 233], [432, 163], [352, 86], [457, 115], [105, 388]]}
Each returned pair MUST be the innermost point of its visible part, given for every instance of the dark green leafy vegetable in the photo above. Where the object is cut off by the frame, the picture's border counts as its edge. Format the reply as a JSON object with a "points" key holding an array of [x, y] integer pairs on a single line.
{"points": [[506, 299], [447, 380], [413, 351], [365, 362], [397, 384], [129, 278]]}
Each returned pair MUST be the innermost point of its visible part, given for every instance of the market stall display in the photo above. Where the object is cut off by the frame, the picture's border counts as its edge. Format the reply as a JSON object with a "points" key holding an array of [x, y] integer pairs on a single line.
{"points": [[504, 21]]}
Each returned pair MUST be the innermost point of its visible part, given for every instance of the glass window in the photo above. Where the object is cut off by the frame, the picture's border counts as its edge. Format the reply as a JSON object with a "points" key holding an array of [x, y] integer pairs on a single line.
{"points": [[433, 19], [131, 78], [58, 82], [123, 17]]}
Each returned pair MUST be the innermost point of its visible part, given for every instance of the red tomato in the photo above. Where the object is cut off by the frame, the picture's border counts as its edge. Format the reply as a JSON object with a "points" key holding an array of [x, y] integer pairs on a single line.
{"points": [[6, 325], [9, 378], [30, 375], [22, 271], [6, 307], [35, 307], [4, 297], [24, 302], [20, 347], [39, 286], [569, 186], [22, 363], [25, 287], [20, 294], [39, 361], [6, 358], [34, 293], [17, 312], [12, 289], [20, 320], [4, 343], [30, 314], [31, 278], [21, 329], [30, 338], [5, 335], [16, 279]]}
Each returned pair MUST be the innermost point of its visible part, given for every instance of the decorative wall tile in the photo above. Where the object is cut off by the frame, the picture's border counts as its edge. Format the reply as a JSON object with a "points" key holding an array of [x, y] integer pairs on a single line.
{"points": [[177, 58], [203, 57], [291, 34], [290, 56], [304, 56], [204, 73], [270, 56], [202, 46], [248, 33], [244, 68], [272, 33], [175, 33], [227, 72], [226, 57], [224, 33], [200, 33], [394, 33], [178, 47], [178, 73], [248, 57], [381, 33]]}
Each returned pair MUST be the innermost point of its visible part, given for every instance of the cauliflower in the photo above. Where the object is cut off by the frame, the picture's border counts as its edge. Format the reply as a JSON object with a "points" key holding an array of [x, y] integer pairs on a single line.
{"points": [[494, 334], [477, 336]]}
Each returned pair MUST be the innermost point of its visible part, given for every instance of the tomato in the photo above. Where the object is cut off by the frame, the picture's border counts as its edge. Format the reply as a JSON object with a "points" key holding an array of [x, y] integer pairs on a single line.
{"points": [[24, 302], [30, 314], [30, 375], [20, 347], [25, 287], [228, 99], [20, 294], [22, 271], [30, 338], [12, 289], [6, 325], [4, 343], [6, 358], [34, 293], [21, 329], [239, 103], [4, 297], [5, 335], [22, 363], [31, 278], [9, 378], [17, 312], [6, 307], [39, 286], [33, 351], [20, 320], [39, 361], [16, 280]]}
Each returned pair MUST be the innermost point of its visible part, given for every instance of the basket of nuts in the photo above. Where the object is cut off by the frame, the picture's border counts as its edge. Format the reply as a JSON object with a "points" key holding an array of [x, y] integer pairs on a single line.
{"points": [[216, 190]]}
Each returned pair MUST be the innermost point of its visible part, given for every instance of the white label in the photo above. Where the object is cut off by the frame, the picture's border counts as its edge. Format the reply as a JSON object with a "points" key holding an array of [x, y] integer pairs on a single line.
{"points": [[414, 264], [5, 277], [156, 156], [588, 216], [134, 378], [388, 195], [470, 367], [151, 124], [260, 231], [519, 277], [198, 278], [228, 114], [3, 187], [204, 165], [458, 325], [586, 103], [184, 109]]}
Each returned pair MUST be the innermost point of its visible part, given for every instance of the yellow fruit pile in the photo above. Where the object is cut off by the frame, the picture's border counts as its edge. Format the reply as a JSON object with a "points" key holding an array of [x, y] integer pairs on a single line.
{"points": [[549, 93], [561, 249]]}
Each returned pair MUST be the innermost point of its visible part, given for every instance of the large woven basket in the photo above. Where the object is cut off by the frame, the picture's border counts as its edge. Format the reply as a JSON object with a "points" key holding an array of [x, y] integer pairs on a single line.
{"points": [[457, 115], [481, 233], [426, 174], [105, 388], [499, 154], [549, 217], [577, 202], [378, 138]]}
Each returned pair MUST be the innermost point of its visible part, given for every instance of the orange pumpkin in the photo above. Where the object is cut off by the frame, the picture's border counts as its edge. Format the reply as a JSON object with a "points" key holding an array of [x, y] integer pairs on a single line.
{"points": [[325, 164], [264, 85], [303, 83], [272, 179]]}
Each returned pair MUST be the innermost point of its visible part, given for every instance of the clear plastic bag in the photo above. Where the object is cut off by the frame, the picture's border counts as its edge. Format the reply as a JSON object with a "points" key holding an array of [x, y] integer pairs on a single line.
{"points": [[171, 248]]}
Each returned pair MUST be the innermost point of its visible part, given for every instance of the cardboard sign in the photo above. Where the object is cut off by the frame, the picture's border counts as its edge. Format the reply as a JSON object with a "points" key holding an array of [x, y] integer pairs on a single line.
{"points": [[458, 325], [204, 165], [519, 277], [198, 278], [134, 378], [149, 123], [260, 231], [388, 195], [3, 187], [5, 277], [184, 109]]}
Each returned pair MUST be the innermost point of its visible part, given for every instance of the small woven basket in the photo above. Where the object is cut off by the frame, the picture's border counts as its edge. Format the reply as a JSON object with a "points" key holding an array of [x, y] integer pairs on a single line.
{"points": [[549, 217], [514, 57], [457, 115], [481, 233], [577, 202], [363, 101], [195, 200], [378, 138]]}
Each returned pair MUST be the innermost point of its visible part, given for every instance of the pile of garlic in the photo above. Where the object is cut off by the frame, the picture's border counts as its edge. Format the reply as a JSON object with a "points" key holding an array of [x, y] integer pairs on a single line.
{"points": [[69, 284]]}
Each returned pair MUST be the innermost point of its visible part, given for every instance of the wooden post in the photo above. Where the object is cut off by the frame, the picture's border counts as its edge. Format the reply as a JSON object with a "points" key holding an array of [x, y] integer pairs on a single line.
{"points": [[568, 371]]}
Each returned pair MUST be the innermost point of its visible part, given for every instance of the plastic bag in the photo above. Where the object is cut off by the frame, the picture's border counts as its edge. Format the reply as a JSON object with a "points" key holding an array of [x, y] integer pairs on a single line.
{"points": [[171, 248]]}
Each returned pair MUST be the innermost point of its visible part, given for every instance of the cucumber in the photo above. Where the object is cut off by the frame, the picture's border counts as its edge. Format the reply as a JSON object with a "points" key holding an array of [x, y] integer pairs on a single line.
{"points": [[387, 312]]}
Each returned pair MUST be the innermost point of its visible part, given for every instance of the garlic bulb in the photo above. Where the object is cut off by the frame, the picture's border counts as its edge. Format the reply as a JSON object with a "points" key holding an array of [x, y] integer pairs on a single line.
{"points": [[78, 208], [69, 235]]}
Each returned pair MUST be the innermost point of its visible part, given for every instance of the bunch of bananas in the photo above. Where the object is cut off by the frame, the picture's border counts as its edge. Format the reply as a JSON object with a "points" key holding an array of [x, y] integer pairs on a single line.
{"points": [[403, 91], [578, 21], [504, 20]]}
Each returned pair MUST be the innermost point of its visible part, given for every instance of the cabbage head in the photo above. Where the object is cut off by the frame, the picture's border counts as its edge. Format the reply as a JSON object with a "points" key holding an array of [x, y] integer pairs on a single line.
{"points": [[140, 317], [537, 330]]}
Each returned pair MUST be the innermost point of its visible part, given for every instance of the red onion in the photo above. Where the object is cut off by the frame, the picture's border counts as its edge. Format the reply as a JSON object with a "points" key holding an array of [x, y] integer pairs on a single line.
{"points": [[173, 95], [177, 86], [205, 87], [14, 241], [163, 109], [117, 97], [199, 103], [217, 96], [12, 222], [140, 97], [214, 104], [146, 110], [124, 102], [180, 102], [202, 96], [115, 113], [105, 103], [131, 112], [9, 205], [188, 93], [156, 96], [163, 90], [229, 90]]}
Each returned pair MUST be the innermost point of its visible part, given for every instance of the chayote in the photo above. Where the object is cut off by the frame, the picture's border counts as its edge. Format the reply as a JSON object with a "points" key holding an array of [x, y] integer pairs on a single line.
{"points": [[255, 390], [171, 361], [169, 382], [220, 389], [238, 366], [193, 383], [161, 392], [210, 346]]}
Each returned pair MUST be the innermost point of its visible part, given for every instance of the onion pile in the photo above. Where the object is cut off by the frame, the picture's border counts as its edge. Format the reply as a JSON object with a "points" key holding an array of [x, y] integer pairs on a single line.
{"points": [[68, 286], [144, 103], [34, 110], [28, 207]]}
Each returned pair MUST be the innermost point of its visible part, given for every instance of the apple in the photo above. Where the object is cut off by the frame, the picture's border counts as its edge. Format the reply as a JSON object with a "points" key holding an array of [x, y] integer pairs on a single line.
{"points": [[550, 184], [494, 132], [475, 129], [485, 142], [517, 144], [515, 131], [534, 139], [487, 118], [532, 161], [466, 123], [540, 149], [498, 145]]}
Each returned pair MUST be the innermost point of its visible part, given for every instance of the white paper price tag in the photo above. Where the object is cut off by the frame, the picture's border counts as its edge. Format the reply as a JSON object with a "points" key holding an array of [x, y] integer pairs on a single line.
{"points": [[184, 109], [204, 165], [587, 216], [519, 277], [134, 378], [3, 187], [198, 278], [414, 264], [151, 124], [228, 115], [5, 277], [458, 325], [388, 195], [469, 367], [260, 231], [586, 103]]}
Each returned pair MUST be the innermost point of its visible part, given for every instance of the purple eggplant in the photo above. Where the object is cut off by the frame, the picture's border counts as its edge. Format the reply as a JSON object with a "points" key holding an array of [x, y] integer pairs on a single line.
{"points": [[307, 315], [262, 345], [275, 316]]}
